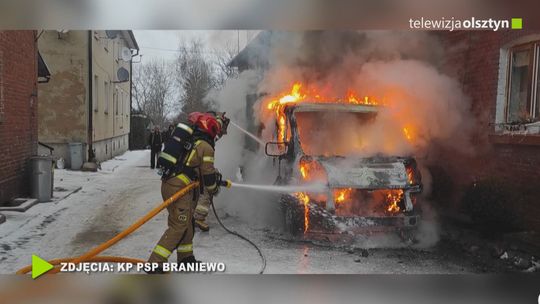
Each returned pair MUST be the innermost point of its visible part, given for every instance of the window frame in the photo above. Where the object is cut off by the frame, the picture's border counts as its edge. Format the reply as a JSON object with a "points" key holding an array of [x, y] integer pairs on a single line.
{"points": [[535, 80], [116, 91], [2, 115], [532, 79]]}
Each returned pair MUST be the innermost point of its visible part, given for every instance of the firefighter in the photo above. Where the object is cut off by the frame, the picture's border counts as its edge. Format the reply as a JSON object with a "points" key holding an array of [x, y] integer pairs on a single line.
{"points": [[198, 165], [155, 141], [205, 199]]}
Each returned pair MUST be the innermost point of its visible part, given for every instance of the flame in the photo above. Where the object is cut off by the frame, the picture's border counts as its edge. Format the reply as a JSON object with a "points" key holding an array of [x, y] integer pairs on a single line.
{"points": [[303, 171], [410, 175], [311, 170], [352, 97], [278, 106], [299, 93], [304, 199], [342, 195], [408, 133], [393, 197]]}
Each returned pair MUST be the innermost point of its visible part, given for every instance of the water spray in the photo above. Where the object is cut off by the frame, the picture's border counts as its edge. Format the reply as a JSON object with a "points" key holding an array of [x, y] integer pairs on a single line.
{"points": [[272, 188], [315, 187], [253, 136]]}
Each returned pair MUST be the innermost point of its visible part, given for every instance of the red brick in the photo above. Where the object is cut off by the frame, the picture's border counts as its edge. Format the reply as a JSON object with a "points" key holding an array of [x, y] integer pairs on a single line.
{"points": [[18, 129], [476, 66]]}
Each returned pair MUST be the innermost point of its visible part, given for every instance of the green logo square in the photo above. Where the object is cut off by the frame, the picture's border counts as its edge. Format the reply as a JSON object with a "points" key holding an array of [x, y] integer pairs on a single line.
{"points": [[517, 23]]}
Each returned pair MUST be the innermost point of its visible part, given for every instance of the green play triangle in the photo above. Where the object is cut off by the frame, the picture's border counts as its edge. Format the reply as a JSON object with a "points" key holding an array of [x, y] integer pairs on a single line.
{"points": [[39, 266]]}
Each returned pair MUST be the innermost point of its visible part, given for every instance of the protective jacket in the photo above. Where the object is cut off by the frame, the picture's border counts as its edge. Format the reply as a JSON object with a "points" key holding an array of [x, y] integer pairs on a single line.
{"points": [[199, 165]]}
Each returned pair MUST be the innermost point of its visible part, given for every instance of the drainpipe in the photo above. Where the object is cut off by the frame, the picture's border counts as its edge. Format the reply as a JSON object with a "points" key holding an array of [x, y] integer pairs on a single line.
{"points": [[90, 99], [130, 146]]}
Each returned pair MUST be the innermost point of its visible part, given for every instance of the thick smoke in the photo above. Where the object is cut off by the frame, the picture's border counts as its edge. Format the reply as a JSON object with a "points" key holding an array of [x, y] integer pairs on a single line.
{"points": [[399, 69], [239, 164]]}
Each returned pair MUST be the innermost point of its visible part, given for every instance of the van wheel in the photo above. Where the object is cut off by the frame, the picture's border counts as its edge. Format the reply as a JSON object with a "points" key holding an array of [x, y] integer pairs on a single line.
{"points": [[293, 217], [408, 236]]}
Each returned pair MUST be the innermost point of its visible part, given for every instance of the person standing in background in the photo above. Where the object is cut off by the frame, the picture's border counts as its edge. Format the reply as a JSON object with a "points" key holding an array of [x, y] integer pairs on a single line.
{"points": [[155, 141], [168, 133]]}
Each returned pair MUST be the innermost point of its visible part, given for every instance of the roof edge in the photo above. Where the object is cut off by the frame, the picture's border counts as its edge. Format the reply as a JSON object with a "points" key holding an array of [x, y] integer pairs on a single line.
{"points": [[130, 38]]}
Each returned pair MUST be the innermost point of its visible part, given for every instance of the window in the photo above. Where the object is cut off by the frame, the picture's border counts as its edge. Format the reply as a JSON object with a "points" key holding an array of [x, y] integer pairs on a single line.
{"points": [[128, 104], [96, 93], [115, 100], [107, 98], [117, 47], [120, 105], [122, 102], [523, 96]]}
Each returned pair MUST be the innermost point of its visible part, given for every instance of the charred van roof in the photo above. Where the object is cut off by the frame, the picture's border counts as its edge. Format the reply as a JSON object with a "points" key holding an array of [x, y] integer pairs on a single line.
{"points": [[341, 107]]}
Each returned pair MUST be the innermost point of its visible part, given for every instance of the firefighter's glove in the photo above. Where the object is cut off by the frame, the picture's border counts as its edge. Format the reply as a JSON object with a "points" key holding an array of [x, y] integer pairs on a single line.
{"points": [[212, 183], [219, 177], [216, 191]]}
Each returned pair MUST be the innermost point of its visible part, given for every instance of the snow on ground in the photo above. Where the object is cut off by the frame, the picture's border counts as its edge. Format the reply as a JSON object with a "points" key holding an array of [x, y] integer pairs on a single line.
{"points": [[126, 188]]}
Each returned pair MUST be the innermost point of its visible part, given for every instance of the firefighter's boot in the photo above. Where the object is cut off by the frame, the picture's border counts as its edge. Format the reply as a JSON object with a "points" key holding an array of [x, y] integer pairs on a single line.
{"points": [[202, 225], [158, 270], [188, 260], [201, 211]]}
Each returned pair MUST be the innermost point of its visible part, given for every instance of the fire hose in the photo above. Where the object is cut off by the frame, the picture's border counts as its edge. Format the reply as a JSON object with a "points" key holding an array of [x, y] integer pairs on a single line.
{"points": [[92, 255], [227, 184]]}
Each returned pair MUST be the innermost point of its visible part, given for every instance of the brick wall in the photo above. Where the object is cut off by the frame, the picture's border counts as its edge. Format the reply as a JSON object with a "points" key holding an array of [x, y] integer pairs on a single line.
{"points": [[18, 110], [473, 58]]}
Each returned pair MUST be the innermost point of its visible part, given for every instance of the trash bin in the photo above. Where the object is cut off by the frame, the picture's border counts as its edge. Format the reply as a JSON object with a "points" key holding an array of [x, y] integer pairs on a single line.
{"points": [[75, 153], [41, 179]]}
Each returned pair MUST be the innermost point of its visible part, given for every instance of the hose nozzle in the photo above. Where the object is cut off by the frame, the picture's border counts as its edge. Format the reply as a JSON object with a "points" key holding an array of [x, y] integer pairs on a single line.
{"points": [[225, 183]]}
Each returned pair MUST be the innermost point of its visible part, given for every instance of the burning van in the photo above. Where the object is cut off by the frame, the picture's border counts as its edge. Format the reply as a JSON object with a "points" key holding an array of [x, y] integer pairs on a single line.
{"points": [[318, 142]]}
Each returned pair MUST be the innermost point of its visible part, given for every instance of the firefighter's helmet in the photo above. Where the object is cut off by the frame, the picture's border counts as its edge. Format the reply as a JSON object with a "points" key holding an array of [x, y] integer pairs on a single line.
{"points": [[207, 123], [194, 116], [220, 117]]}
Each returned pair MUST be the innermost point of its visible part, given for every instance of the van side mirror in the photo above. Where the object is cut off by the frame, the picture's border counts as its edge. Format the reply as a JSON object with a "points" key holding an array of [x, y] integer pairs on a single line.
{"points": [[276, 149]]}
